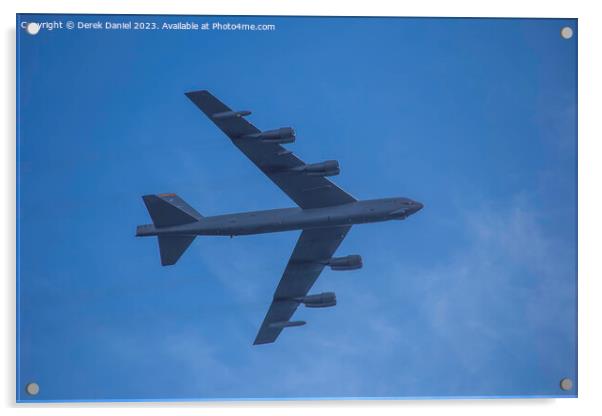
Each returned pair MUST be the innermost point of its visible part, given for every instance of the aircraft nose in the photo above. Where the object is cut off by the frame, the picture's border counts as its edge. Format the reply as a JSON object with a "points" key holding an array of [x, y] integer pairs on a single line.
{"points": [[408, 207], [417, 206]]}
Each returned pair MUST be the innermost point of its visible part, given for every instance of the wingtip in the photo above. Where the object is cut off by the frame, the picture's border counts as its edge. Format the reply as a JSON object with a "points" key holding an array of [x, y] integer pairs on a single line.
{"points": [[258, 342], [196, 92]]}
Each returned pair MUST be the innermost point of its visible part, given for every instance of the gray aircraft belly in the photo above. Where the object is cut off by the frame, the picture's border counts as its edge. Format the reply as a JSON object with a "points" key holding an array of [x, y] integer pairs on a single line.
{"points": [[293, 219]]}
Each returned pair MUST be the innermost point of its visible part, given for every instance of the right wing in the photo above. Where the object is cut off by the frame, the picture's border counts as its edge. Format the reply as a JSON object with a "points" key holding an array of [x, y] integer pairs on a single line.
{"points": [[305, 265], [274, 160]]}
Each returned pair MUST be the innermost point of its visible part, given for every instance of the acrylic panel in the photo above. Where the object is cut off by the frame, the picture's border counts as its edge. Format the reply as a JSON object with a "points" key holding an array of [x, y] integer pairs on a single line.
{"points": [[263, 207]]}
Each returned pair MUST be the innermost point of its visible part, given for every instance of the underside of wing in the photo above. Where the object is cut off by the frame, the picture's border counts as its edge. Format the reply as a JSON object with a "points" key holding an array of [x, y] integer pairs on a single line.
{"points": [[313, 251], [306, 184]]}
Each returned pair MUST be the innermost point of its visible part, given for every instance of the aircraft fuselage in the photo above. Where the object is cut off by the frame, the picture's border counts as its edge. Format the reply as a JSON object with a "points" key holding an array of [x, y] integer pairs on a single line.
{"points": [[286, 219]]}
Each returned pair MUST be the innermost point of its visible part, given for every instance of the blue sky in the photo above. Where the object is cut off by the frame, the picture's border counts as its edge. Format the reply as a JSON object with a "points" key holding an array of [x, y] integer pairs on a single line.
{"points": [[473, 296]]}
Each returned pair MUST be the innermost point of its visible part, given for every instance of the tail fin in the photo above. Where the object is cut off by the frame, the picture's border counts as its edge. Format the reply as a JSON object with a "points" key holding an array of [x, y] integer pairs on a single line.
{"points": [[167, 210]]}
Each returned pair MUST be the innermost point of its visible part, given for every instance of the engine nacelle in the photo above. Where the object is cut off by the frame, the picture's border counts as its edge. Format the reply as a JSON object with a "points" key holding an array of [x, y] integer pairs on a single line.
{"points": [[327, 168], [281, 135], [230, 114], [286, 324], [322, 300], [351, 262]]}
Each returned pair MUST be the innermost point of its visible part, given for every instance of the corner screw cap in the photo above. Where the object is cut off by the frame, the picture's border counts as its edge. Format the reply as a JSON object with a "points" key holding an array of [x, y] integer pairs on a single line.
{"points": [[32, 389], [566, 384]]}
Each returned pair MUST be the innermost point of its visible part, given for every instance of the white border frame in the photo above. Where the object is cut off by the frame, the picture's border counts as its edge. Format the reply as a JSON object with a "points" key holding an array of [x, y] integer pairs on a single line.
{"points": [[590, 202]]}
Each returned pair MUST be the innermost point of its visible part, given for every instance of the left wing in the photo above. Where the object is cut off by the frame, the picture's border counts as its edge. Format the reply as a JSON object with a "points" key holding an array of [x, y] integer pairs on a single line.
{"points": [[309, 189], [314, 247]]}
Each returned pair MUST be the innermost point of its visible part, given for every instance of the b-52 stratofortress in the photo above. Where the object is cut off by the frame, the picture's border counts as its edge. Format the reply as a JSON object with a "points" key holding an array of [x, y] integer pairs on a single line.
{"points": [[324, 216]]}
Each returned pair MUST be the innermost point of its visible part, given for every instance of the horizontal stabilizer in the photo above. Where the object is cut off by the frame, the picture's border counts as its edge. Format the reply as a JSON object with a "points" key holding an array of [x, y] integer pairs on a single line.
{"points": [[167, 210], [172, 248]]}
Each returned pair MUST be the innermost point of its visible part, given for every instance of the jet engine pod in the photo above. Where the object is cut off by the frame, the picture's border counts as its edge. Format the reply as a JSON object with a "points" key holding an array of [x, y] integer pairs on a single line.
{"points": [[327, 168], [281, 135], [322, 300], [230, 114], [286, 324], [351, 262]]}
